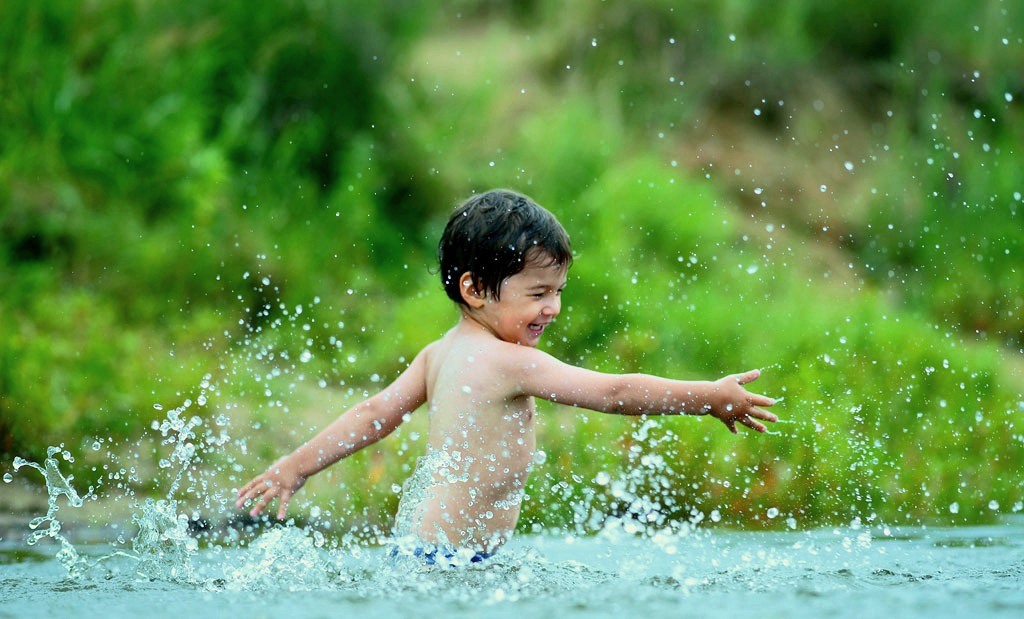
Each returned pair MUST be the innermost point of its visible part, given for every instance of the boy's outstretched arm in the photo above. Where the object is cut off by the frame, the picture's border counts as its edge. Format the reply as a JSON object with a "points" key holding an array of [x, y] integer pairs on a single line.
{"points": [[360, 426], [541, 375]]}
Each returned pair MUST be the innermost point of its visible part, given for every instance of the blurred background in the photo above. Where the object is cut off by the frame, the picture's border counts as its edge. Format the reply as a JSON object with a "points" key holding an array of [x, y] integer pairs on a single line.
{"points": [[228, 212]]}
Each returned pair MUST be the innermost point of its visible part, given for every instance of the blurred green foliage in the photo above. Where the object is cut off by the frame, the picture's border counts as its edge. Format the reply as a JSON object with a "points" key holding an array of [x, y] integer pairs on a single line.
{"points": [[830, 192]]}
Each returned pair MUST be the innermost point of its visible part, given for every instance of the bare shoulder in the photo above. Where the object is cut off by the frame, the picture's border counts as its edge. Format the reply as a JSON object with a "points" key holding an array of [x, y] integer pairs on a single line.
{"points": [[427, 351], [516, 361], [427, 356]]}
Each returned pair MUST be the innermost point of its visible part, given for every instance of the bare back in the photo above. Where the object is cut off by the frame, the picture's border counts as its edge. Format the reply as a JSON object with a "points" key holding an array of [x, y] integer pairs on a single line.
{"points": [[467, 490]]}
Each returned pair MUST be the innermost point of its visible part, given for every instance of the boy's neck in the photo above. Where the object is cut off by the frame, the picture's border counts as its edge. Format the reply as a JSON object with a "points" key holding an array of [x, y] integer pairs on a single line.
{"points": [[472, 322]]}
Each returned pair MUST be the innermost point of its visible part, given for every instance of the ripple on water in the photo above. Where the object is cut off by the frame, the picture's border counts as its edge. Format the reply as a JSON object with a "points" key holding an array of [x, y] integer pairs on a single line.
{"points": [[719, 573]]}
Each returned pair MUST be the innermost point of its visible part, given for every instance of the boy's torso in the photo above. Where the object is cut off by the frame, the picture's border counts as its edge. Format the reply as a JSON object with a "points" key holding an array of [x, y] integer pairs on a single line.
{"points": [[483, 434]]}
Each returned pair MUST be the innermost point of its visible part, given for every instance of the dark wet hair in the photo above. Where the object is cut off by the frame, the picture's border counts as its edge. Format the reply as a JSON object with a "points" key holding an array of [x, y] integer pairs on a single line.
{"points": [[493, 236]]}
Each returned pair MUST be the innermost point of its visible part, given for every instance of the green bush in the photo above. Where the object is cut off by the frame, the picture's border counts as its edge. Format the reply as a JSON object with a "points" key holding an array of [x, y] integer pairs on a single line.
{"points": [[255, 196]]}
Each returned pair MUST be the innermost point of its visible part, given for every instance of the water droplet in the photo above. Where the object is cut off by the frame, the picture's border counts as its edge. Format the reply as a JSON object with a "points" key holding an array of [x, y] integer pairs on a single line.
{"points": [[467, 389], [773, 512], [752, 269], [954, 508], [993, 505], [8, 478], [602, 478], [824, 188], [158, 407], [848, 165]]}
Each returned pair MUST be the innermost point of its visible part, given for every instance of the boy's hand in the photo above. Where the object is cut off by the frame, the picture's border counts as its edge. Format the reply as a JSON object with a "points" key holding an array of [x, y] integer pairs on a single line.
{"points": [[281, 480], [731, 403]]}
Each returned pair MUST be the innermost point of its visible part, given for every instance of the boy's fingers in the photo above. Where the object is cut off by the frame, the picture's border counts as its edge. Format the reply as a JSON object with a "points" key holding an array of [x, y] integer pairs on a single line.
{"points": [[754, 425], [260, 505], [245, 489], [253, 484], [243, 496], [249, 491], [265, 497], [282, 502], [747, 377], [762, 414]]}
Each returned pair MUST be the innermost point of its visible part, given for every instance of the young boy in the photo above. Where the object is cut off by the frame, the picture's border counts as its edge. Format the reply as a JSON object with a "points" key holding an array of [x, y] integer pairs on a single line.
{"points": [[504, 261]]}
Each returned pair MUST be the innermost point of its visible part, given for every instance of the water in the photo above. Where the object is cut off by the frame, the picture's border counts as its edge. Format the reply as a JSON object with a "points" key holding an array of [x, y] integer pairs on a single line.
{"points": [[840, 573], [155, 561]]}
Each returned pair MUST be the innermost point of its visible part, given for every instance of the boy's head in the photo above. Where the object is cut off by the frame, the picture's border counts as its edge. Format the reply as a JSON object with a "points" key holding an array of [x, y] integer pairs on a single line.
{"points": [[493, 236]]}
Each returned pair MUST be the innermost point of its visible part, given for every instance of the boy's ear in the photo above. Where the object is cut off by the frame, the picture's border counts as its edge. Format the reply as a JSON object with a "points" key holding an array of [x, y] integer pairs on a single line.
{"points": [[471, 293]]}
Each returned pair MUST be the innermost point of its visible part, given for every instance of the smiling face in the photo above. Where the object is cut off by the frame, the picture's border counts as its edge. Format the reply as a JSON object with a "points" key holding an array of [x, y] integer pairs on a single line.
{"points": [[527, 303], [492, 236]]}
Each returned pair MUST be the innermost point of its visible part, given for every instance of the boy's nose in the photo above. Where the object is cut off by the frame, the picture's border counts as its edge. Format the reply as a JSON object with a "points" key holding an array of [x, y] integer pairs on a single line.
{"points": [[553, 307]]}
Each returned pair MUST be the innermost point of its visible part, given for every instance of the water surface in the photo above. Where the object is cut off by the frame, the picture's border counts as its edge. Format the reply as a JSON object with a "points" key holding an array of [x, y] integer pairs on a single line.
{"points": [[846, 572]]}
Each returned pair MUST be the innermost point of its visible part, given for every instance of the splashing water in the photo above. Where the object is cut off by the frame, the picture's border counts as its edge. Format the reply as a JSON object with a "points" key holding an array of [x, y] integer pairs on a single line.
{"points": [[285, 558], [56, 486], [626, 550], [623, 555], [163, 548]]}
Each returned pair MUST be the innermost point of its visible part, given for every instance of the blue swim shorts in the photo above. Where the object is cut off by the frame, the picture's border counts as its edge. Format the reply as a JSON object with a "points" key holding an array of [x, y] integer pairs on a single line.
{"points": [[443, 556]]}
